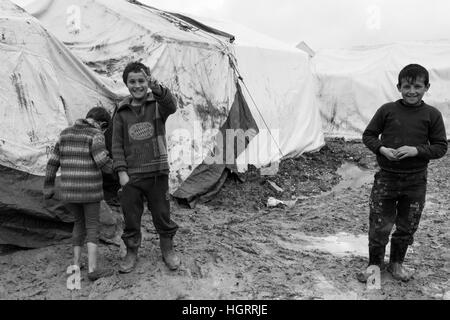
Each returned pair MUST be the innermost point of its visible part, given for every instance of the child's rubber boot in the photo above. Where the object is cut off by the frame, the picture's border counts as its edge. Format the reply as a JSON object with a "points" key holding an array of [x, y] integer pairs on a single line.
{"points": [[169, 256], [129, 262], [100, 273], [399, 272]]}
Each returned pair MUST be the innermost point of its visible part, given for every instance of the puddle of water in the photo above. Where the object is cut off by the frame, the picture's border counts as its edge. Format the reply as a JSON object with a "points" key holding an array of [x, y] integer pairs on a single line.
{"points": [[341, 244], [352, 177]]}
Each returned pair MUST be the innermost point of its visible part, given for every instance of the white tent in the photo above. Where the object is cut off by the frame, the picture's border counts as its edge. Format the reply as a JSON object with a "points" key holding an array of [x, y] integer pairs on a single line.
{"points": [[106, 35], [355, 82], [43, 89], [280, 91]]}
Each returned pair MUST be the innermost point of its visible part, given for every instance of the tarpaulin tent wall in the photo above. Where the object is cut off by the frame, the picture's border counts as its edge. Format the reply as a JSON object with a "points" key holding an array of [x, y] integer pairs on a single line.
{"points": [[193, 63], [355, 82], [276, 87], [43, 89], [280, 89]]}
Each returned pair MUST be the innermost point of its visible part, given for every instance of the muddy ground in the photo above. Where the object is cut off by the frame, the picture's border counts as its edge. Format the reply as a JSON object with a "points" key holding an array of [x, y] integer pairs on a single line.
{"points": [[235, 247]]}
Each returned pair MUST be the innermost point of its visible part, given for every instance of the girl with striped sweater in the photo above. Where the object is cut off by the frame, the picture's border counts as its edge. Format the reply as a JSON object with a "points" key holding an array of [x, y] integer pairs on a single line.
{"points": [[81, 154]]}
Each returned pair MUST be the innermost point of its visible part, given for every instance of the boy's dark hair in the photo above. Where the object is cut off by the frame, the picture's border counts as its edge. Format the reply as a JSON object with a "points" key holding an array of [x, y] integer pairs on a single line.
{"points": [[99, 114], [413, 71], [134, 67]]}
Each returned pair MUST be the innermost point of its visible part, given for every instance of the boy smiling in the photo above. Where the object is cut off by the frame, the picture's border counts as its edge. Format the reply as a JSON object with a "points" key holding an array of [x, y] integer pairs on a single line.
{"points": [[412, 133], [139, 151]]}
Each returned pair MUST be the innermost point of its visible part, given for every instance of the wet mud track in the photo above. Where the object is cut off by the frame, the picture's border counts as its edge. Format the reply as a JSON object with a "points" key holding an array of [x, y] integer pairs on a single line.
{"points": [[235, 247]]}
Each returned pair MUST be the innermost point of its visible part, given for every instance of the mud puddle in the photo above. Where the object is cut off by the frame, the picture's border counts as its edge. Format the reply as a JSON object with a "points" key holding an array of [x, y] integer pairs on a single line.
{"points": [[341, 244], [353, 177]]}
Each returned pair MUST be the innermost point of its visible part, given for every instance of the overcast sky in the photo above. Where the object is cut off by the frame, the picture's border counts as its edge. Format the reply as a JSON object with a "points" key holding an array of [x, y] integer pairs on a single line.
{"points": [[326, 23]]}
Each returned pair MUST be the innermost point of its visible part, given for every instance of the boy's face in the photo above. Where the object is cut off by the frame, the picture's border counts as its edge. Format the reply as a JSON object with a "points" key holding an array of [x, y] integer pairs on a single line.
{"points": [[413, 92], [137, 84]]}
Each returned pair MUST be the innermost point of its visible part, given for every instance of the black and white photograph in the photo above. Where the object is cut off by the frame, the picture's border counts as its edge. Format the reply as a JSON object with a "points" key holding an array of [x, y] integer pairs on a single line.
{"points": [[237, 152]]}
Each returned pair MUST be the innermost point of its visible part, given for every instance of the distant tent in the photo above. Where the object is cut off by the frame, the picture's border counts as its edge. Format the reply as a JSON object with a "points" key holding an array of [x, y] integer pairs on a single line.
{"points": [[355, 82], [43, 89]]}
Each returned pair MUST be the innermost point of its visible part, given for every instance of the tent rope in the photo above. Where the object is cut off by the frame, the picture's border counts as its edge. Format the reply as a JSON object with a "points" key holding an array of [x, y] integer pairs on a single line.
{"points": [[225, 50], [233, 65]]}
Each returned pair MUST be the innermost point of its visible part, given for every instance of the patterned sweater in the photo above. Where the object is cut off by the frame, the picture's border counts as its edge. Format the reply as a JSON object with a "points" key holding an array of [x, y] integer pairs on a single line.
{"points": [[82, 156], [139, 135]]}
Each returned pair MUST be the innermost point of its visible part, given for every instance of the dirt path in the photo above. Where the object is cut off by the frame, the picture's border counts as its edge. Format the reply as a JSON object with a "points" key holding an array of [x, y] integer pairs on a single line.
{"points": [[236, 248]]}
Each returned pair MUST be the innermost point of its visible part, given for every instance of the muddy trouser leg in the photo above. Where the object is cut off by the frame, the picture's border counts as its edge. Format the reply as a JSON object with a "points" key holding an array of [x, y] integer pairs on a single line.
{"points": [[157, 194], [382, 216], [92, 221], [132, 209], [409, 211], [79, 229]]}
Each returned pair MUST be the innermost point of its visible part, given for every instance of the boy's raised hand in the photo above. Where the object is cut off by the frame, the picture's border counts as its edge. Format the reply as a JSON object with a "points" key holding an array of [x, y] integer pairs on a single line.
{"points": [[406, 152], [389, 153], [154, 85]]}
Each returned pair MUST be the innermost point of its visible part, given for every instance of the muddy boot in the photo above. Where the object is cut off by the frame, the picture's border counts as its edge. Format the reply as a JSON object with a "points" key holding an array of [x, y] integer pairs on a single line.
{"points": [[398, 253], [129, 263], [399, 272], [376, 257], [168, 253]]}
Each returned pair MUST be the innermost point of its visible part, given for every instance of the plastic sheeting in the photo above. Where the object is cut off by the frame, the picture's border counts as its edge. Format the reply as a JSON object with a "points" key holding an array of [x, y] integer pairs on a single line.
{"points": [[43, 89], [277, 79], [279, 88], [194, 64], [354, 83]]}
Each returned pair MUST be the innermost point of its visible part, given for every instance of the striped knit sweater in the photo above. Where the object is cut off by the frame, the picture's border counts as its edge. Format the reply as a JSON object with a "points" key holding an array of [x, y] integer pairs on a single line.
{"points": [[82, 156], [139, 137]]}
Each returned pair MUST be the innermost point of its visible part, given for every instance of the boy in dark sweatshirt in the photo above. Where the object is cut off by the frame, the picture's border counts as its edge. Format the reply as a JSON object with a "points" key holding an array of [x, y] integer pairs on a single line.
{"points": [[140, 158], [412, 133]]}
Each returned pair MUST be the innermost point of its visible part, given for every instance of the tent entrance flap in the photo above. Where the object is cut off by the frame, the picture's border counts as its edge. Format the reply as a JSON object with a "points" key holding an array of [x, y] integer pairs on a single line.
{"points": [[207, 179]]}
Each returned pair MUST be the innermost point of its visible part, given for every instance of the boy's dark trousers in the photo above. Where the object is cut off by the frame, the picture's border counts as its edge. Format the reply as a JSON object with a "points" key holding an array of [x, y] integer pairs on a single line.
{"points": [[156, 191], [396, 198]]}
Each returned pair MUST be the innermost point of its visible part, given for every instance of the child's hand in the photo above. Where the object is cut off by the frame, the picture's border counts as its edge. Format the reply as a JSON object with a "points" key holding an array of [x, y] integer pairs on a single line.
{"points": [[406, 152], [123, 178], [155, 86], [389, 153]]}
